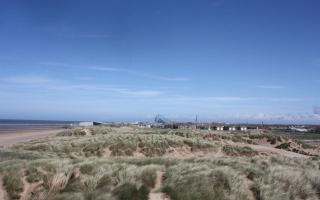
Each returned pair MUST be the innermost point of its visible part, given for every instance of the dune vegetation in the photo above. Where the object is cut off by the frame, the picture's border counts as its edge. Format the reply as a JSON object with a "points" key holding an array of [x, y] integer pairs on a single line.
{"points": [[128, 163]]}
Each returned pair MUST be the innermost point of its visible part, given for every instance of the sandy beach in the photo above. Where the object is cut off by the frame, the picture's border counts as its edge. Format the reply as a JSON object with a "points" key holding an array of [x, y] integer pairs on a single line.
{"points": [[14, 137]]}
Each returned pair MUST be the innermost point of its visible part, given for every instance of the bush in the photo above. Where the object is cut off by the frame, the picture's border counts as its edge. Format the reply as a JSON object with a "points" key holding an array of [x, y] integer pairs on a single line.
{"points": [[129, 191], [75, 132], [122, 148], [199, 181], [256, 192], [150, 151], [105, 182], [13, 184], [93, 150], [86, 169], [12, 154], [238, 151], [98, 195], [74, 185], [69, 196], [149, 176], [33, 175], [285, 146], [272, 140], [285, 183]]}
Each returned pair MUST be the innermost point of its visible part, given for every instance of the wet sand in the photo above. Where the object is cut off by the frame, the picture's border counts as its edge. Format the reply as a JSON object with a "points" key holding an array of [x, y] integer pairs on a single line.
{"points": [[14, 136]]}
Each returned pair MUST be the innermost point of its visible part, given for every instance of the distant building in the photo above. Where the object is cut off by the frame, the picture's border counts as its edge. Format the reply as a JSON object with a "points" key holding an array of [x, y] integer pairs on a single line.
{"points": [[243, 128], [220, 128], [298, 129], [86, 124]]}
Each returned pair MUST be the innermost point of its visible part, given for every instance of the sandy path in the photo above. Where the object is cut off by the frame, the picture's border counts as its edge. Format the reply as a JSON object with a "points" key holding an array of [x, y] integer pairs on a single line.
{"points": [[271, 150], [3, 193], [154, 193], [13, 138], [28, 188]]}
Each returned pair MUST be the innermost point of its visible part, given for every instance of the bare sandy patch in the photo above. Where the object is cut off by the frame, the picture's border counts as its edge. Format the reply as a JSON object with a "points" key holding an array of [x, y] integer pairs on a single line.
{"points": [[274, 151], [14, 138]]}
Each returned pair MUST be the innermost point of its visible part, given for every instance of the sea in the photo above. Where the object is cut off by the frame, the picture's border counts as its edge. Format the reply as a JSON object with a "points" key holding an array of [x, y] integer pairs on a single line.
{"points": [[14, 126]]}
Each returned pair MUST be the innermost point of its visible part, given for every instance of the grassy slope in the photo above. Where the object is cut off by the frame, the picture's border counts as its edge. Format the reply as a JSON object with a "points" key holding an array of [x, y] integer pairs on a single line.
{"points": [[122, 163]]}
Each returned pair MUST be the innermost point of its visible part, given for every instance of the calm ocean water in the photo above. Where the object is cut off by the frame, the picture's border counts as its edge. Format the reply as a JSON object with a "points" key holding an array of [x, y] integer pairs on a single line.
{"points": [[9, 125], [14, 122]]}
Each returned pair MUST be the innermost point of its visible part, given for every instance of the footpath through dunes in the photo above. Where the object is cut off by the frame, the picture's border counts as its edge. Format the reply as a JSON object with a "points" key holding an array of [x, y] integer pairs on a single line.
{"points": [[3, 192], [158, 164], [155, 193]]}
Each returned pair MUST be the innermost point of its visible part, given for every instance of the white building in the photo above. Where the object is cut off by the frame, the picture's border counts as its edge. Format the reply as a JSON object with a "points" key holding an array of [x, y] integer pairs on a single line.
{"points": [[299, 129], [220, 128], [243, 128], [86, 124]]}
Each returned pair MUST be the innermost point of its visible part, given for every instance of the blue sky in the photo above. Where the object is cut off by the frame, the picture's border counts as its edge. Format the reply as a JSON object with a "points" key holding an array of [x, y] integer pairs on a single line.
{"points": [[224, 60]]}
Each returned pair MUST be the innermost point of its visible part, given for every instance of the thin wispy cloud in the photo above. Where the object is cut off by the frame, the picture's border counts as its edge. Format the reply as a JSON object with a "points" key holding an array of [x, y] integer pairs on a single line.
{"points": [[46, 83], [120, 70], [286, 117], [106, 69], [38, 85], [268, 117], [217, 3], [54, 84], [228, 100], [55, 64], [212, 98], [27, 79], [94, 36], [141, 74], [272, 87]]}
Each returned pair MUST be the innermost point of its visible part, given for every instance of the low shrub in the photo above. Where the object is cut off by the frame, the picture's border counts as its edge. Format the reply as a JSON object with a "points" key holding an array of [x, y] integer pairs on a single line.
{"points": [[148, 175], [12, 154], [74, 185], [87, 169], [284, 146], [105, 182], [75, 132], [13, 184], [199, 181], [238, 151], [129, 191], [272, 140], [33, 175], [256, 192]]}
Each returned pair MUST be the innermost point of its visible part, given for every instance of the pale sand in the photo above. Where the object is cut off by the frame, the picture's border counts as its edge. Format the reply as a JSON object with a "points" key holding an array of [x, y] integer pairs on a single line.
{"points": [[20, 136], [155, 193]]}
